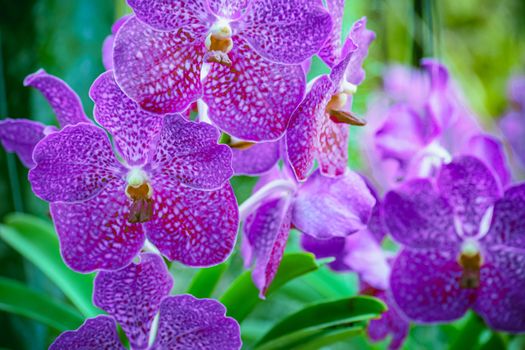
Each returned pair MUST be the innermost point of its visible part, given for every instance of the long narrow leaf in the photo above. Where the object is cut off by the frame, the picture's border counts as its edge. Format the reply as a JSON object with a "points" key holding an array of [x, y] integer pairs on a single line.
{"points": [[205, 281], [18, 299], [36, 241]]}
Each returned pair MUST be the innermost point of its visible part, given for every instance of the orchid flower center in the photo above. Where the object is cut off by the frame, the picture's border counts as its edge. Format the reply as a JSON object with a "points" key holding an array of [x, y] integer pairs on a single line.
{"points": [[336, 105], [219, 43], [470, 260], [139, 191]]}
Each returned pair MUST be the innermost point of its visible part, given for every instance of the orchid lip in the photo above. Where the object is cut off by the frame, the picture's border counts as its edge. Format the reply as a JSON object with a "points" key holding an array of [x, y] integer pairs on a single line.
{"points": [[140, 192], [470, 259]]}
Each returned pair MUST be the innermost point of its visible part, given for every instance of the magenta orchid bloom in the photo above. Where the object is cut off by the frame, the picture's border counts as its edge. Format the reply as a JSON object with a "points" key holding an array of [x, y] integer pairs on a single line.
{"points": [[133, 296], [255, 159], [22, 135], [321, 207], [463, 246], [318, 128], [171, 186], [160, 55], [513, 123]]}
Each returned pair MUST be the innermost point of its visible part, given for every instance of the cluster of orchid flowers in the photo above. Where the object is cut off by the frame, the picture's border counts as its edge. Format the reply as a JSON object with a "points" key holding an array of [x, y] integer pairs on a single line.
{"points": [[181, 72]]}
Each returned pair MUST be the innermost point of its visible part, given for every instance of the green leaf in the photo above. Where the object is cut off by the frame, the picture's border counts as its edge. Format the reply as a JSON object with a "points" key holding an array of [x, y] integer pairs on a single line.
{"points": [[242, 296], [313, 321], [205, 281], [469, 335], [36, 241], [18, 299]]}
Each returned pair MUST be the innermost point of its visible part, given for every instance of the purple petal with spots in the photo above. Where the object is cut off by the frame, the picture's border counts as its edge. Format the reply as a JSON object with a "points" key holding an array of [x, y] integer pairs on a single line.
{"points": [[96, 234], [74, 164], [332, 152], [21, 136], [229, 8], [417, 216], [470, 189], [133, 295], [266, 232], [187, 152], [489, 150], [99, 333], [508, 220], [286, 31], [132, 128], [302, 134], [502, 282], [391, 322], [158, 70], [197, 228], [361, 37], [425, 285], [171, 15], [513, 127], [188, 323], [254, 98], [255, 160], [64, 101], [327, 248], [331, 51], [326, 207], [107, 45]]}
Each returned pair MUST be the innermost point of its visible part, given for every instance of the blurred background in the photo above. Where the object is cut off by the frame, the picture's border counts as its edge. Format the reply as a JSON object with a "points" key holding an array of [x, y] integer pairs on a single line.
{"points": [[479, 40]]}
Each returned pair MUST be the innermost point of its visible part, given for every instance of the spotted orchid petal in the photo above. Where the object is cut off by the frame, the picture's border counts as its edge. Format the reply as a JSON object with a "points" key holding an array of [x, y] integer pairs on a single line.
{"points": [[254, 98], [508, 220], [132, 128], [189, 323], [230, 9], [266, 233], [502, 281], [417, 216], [171, 15], [64, 101], [425, 285], [489, 150], [391, 322], [195, 227], [95, 334], [96, 234], [256, 159], [187, 152], [159, 70], [107, 45], [325, 207], [362, 37], [286, 31], [331, 51], [21, 136], [133, 295], [74, 164], [470, 189], [302, 134], [332, 153]]}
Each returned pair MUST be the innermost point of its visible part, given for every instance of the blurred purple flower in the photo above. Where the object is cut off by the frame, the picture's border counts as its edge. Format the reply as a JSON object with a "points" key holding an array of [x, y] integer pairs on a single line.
{"points": [[513, 122], [171, 186], [133, 296], [22, 135], [107, 45], [318, 128], [464, 246], [254, 158], [256, 47], [321, 207]]}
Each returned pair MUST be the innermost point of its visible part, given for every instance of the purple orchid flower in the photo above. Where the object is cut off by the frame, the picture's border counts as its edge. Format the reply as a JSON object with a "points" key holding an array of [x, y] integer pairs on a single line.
{"points": [[513, 123], [107, 45], [318, 128], [322, 207], [21, 135], [464, 246], [254, 159], [159, 58], [133, 296], [427, 126], [361, 253], [171, 186]]}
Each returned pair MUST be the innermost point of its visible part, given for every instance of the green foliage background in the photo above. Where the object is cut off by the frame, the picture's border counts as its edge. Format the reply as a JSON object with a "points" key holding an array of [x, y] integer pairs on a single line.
{"points": [[480, 41]]}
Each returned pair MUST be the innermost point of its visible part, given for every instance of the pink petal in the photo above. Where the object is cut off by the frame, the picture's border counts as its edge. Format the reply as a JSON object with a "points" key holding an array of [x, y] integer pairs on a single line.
{"points": [[21, 136], [229, 8], [331, 51], [332, 152], [257, 159]]}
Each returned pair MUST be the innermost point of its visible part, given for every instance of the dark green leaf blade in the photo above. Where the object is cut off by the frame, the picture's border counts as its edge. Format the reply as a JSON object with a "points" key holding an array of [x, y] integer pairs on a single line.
{"points": [[36, 241], [242, 296], [341, 313], [18, 299], [204, 282]]}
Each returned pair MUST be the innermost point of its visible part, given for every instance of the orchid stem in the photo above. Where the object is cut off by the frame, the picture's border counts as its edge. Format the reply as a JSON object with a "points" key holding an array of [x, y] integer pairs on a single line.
{"points": [[275, 186]]}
